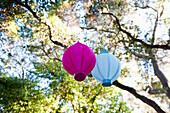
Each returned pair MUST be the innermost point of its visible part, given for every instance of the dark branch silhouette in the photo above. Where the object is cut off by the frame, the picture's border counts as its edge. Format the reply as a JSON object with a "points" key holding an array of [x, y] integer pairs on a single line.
{"points": [[156, 91], [135, 39], [41, 21], [94, 28], [161, 76], [142, 98], [46, 53], [116, 83], [144, 7], [157, 71]]}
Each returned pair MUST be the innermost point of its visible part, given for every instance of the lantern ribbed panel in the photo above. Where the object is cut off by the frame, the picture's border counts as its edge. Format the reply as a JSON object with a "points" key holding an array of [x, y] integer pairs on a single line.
{"points": [[107, 68], [78, 58]]}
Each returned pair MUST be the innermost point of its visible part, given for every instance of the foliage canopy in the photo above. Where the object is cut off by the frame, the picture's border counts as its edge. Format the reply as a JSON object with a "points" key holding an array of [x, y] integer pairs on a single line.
{"points": [[35, 34]]}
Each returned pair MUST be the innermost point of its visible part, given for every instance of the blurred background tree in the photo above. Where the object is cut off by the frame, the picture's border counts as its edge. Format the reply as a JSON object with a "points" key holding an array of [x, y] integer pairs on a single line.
{"points": [[35, 33]]}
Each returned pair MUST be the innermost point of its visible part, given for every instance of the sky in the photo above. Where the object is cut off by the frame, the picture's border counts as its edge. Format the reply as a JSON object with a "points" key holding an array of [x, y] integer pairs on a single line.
{"points": [[138, 18]]}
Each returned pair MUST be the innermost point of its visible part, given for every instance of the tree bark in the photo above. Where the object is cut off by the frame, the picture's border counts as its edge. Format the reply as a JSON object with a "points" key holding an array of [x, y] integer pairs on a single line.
{"points": [[161, 76], [142, 98], [156, 91], [116, 83], [41, 21], [158, 73], [166, 46]]}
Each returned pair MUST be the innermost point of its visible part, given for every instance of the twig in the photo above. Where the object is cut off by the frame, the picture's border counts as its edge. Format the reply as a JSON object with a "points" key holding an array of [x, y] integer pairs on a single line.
{"points": [[41, 21], [135, 39], [96, 29], [48, 54], [142, 98]]}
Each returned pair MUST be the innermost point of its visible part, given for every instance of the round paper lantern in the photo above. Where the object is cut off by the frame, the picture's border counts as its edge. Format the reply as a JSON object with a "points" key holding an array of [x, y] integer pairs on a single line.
{"points": [[107, 68], [79, 60]]}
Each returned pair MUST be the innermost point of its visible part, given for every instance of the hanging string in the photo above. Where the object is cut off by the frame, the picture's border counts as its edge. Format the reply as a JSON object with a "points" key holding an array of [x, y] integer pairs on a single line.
{"points": [[103, 47], [78, 39]]}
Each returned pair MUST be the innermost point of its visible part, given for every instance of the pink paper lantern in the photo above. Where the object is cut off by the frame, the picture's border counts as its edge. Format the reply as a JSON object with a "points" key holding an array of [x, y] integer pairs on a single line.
{"points": [[79, 60]]}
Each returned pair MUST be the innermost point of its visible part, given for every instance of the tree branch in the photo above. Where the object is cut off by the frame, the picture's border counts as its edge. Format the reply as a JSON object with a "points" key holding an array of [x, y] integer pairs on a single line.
{"points": [[105, 30], [26, 2], [154, 29], [41, 21], [136, 54], [116, 83], [135, 39], [161, 76], [144, 7], [48, 54], [157, 71], [156, 91], [142, 98], [156, 21]]}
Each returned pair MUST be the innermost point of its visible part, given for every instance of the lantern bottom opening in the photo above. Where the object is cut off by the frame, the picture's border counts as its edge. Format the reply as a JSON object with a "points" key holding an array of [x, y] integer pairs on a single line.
{"points": [[80, 76], [106, 83]]}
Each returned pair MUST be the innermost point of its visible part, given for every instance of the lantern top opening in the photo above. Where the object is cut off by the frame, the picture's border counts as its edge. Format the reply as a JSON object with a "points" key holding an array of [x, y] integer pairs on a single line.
{"points": [[104, 51]]}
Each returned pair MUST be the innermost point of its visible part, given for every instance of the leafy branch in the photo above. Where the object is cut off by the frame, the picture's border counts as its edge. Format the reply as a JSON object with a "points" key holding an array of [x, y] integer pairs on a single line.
{"points": [[157, 71], [135, 39], [41, 21], [46, 53], [96, 29], [142, 98], [116, 83]]}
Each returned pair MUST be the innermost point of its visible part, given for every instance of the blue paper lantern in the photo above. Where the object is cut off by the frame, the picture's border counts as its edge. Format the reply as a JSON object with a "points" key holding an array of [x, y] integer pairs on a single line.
{"points": [[107, 68]]}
